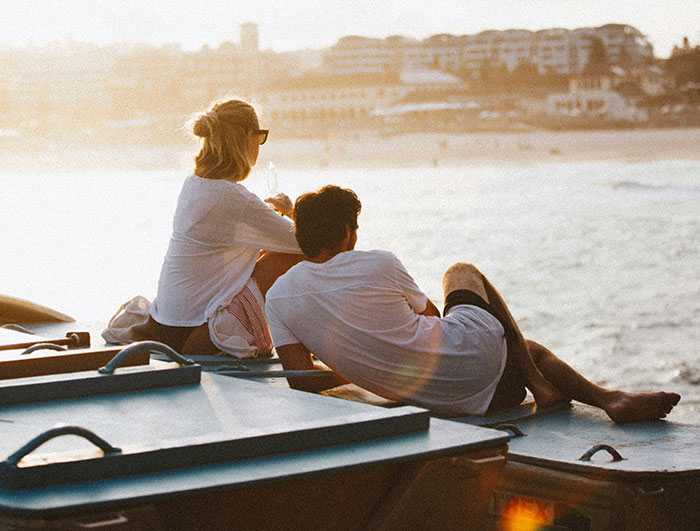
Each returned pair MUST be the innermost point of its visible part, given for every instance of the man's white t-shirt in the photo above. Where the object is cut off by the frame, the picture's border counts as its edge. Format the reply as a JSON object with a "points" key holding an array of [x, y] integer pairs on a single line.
{"points": [[358, 313], [219, 229]]}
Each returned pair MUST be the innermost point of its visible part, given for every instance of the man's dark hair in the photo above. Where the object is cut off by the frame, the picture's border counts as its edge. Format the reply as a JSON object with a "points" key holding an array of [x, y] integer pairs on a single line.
{"points": [[321, 218]]}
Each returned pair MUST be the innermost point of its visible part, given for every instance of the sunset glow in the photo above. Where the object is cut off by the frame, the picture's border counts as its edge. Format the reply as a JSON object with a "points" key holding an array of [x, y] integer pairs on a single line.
{"points": [[292, 25]]}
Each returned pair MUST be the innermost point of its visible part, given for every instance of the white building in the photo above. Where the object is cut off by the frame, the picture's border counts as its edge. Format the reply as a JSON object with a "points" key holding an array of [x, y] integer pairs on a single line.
{"points": [[249, 37], [557, 50], [292, 103], [594, 97], [353, 97], [48, 82]]}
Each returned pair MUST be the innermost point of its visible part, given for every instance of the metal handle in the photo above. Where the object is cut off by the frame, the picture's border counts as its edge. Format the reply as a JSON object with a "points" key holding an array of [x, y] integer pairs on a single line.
{"points": [[17, 328], [140, 347], [652, 492], [58, 432], [511, 428], [479, 463], [78, 339], [72, 339], [247, 372], [468, 467], [42, 346], [107, 521], [590, 453]]}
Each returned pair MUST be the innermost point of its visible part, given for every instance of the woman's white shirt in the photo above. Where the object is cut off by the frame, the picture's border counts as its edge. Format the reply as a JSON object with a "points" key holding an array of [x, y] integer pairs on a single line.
{"points": [[219, 229]]}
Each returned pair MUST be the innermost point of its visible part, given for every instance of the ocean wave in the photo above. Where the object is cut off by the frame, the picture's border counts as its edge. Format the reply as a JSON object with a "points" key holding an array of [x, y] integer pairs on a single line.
{"points": [[667, 323], [687, 374], [637, 186]]}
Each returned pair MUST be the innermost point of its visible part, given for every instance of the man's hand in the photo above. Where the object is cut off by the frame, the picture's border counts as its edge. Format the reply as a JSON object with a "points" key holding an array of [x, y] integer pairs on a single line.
{"points": [[298, 357]]}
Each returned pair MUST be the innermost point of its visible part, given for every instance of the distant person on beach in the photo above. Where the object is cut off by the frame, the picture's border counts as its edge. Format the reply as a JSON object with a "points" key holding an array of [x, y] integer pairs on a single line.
{"points": [[362, 315], [227, 246]]}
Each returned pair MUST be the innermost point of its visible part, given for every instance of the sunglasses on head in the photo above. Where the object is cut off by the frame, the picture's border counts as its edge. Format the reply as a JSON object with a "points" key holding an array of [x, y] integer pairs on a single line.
{"points": [[261, 134]]}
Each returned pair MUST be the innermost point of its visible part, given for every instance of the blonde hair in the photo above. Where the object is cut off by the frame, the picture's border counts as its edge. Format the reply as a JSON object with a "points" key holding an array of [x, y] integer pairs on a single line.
{"points": [[224, 131]]}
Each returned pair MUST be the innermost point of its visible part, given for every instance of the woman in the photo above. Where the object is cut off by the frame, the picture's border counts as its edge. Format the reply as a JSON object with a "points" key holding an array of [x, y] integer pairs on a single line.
{"points": [[227, 246]]}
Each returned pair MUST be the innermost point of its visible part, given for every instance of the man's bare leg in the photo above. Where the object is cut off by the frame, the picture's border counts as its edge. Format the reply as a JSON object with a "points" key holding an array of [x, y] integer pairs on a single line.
{"points": [[621, 406], [466, 276], [567, 384]]}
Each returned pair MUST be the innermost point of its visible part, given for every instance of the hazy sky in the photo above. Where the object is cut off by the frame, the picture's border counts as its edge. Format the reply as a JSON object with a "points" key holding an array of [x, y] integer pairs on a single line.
{"points": [[297, 24]]}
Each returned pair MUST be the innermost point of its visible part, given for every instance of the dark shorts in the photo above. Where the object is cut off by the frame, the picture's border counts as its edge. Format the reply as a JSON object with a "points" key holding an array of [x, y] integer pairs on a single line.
{"points": [[511, 387]]}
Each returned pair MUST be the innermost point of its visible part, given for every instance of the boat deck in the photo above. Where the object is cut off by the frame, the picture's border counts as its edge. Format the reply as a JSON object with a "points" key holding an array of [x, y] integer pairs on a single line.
{"points": [[572, 464]]}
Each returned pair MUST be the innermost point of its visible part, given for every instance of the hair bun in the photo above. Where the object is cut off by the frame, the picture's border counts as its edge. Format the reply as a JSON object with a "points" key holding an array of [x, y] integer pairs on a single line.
{"points": [[205, 125]]}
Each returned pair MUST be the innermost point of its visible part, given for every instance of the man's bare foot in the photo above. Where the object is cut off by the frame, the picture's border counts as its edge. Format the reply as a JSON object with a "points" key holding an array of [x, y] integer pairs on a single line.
{"points": [[622, 406]]}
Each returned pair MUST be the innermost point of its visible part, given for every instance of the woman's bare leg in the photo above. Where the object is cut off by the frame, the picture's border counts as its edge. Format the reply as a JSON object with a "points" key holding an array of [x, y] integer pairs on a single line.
{"points": [[199, 343], [269, 266]]}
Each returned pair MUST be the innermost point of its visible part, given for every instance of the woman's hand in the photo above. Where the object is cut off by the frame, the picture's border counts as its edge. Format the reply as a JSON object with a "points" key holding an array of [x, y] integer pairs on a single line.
{"points": [[281, 204]]}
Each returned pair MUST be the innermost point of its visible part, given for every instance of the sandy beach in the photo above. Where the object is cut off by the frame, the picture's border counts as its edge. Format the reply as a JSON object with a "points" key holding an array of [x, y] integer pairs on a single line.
{"points": [[358, 149], [420, 149]]}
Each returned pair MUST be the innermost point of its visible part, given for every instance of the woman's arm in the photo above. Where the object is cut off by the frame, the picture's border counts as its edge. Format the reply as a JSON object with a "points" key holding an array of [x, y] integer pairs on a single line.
{"points": [[260, 226]]}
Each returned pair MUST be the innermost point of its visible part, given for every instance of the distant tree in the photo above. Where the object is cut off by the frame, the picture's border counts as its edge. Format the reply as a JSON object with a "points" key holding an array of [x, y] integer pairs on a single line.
{"points": [[493, 74], [553, 80], [467, 74], [656, 102], [629, 89], [625, 59], [598, 62], [684, 64], [525, 73]]}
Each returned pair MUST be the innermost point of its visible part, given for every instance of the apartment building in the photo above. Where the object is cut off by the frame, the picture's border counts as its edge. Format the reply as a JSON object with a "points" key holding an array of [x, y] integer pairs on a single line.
{"points": [[557, 50], [363, 55], [92, 87], [593, 97], [300, 101], [348, 98], [37, 84]]}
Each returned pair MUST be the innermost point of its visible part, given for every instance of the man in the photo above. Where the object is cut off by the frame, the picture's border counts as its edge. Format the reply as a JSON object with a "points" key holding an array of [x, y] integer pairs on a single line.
{"points": [[362, 315]]}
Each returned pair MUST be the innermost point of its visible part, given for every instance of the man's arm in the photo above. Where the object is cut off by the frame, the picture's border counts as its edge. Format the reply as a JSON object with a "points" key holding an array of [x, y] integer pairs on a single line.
{"points": [[414, 295], [297, 357]]}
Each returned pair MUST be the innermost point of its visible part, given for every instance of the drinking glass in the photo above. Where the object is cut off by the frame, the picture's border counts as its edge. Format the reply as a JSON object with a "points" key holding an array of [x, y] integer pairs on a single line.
{"points": [[272, 183]]}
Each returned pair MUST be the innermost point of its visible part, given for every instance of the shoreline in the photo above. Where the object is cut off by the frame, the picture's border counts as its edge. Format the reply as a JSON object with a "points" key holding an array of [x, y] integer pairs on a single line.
{"points": [[362, 149], [540, 147]]}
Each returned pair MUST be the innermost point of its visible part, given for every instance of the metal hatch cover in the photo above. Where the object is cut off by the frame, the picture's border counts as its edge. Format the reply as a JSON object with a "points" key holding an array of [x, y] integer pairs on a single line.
{"points": [[584, 440], [223, 419]]}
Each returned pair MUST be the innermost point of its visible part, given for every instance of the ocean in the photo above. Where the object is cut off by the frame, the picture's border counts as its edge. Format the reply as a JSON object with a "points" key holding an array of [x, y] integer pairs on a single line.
{"points": [[597, 260]]}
